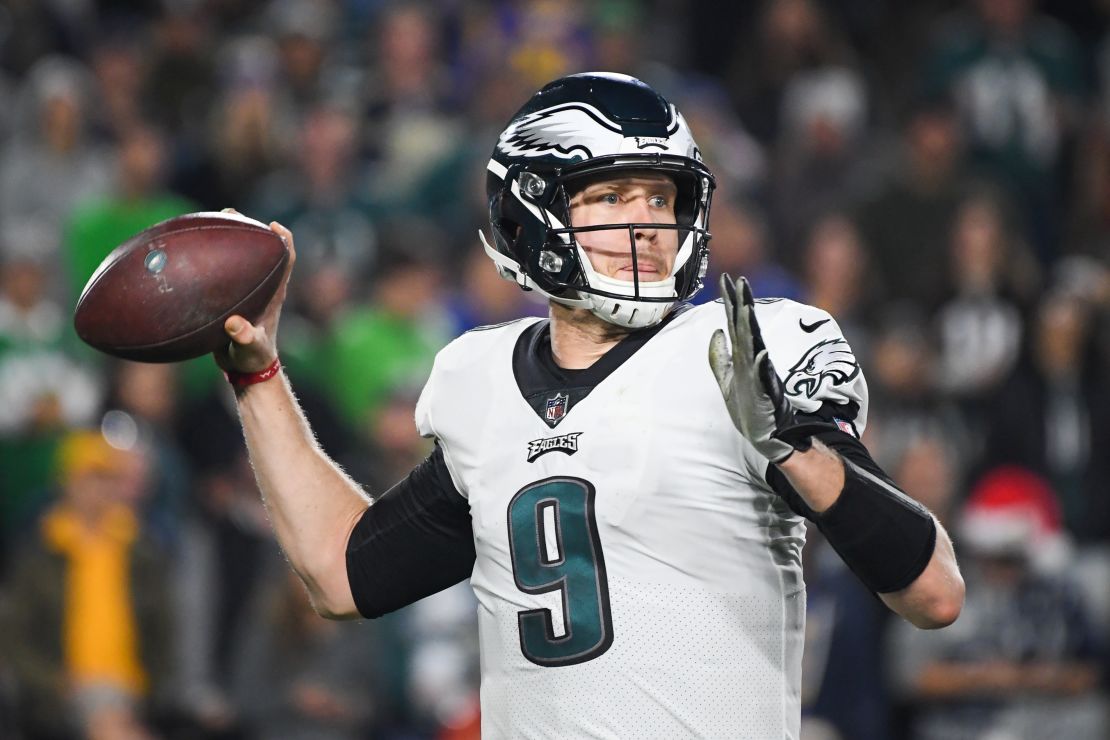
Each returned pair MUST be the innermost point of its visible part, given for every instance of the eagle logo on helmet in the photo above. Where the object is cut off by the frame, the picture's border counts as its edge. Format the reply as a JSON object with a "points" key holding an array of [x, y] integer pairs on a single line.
{"points": [[830, 362], [579, 131], [570, 131]]}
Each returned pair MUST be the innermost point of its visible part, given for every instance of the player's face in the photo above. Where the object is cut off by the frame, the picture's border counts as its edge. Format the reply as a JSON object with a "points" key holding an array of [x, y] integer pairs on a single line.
{"points": [[636, 198]]}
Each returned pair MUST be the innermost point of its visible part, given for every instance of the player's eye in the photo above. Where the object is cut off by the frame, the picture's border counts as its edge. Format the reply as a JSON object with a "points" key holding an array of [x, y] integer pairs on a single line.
{"points": [[658, 201], [611, 199]]}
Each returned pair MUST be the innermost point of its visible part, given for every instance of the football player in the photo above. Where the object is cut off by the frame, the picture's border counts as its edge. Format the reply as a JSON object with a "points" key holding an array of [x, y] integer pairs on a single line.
{"points": [[630, 515]]}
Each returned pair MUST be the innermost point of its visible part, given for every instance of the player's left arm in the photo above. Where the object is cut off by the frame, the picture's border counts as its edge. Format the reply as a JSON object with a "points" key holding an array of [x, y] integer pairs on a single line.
{"points": [[892, 543], [895, 546]]}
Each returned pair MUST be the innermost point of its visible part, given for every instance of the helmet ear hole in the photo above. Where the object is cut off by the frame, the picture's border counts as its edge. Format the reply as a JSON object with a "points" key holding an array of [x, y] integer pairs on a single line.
{"points": [[503, 233]]}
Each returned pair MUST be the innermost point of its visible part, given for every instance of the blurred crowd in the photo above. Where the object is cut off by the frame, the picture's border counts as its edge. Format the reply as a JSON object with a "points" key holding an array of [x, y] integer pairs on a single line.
{"points": [[934, 173]]}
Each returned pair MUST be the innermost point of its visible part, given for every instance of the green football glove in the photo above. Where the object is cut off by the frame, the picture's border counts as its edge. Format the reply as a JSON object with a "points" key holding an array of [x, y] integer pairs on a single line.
{"points": [[752, 390]]}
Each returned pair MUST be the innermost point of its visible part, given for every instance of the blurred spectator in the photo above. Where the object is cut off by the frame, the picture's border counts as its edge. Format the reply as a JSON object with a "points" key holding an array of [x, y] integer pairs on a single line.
{"points": [[1052, 414], [99, 225], [441, 635], [392, 450], [387, 344], [90, 616], [43, 389], [740, 162], [411, 76], [980, 325], [317, 199], [226, 554], [299, 677], [119, 69], [141, 410], [412, 135], [822, 162], [1018, 82], [903, 367], [1021, 662], [929, 471], [546, 38], [837, 279], [844, 695], [480, 37], [247, 134], [33, 329], [907, 222], [1089, 228], [742, 246], [50, 165], [483, 297], [617, 42], [790, 38], [905, 402], [182, 73], [312, 69], [33, 30], [437, 637], [303, 30]]}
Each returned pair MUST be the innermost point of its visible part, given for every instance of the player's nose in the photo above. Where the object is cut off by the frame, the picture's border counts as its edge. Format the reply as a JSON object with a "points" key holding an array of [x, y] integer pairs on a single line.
{"points": [[640, 214]]}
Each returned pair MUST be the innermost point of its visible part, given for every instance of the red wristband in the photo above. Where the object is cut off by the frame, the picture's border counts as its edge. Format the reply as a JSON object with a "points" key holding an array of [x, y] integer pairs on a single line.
{"points": [[242, 380]]}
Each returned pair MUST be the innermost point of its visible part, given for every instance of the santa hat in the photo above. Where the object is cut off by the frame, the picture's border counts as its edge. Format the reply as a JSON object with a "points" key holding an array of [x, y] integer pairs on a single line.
{"points": [[1014, 512]]}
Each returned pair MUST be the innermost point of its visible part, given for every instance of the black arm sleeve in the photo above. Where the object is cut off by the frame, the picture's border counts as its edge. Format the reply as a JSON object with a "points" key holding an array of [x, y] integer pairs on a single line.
{"points": [[413, 541], [883, 535]]}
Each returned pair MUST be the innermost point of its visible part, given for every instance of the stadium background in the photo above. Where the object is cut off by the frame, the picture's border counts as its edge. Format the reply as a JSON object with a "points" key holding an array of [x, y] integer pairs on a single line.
{"points": [[936, 174]]}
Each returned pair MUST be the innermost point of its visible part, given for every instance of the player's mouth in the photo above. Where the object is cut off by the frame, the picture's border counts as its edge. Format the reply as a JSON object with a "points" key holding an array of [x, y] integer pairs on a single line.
{"points": [[645, 271]]}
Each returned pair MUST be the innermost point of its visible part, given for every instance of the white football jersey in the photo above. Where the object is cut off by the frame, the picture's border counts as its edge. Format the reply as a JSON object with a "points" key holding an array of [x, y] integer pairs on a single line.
{"points": [[636, 576]]}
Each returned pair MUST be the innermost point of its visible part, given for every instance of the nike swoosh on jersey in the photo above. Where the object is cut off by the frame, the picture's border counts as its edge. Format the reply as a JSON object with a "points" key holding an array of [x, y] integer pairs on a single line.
{"points": [[810, 328]]}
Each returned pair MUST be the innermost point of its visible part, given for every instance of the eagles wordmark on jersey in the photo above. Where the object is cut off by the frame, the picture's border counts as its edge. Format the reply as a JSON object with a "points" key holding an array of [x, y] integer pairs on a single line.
{"points": [[640, 579]]}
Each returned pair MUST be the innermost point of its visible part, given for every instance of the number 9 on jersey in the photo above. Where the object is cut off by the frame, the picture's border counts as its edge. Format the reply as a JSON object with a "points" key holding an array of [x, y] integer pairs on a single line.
{"points": [[554, 541]]}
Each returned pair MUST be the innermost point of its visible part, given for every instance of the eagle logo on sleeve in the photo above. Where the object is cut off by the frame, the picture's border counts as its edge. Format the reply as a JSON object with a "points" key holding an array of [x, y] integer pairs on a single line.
{"points": [[826, 364]]}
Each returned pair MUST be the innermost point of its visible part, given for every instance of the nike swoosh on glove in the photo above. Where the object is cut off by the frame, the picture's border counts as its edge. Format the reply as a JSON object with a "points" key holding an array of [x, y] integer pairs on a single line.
{"points": [[751, 388]]}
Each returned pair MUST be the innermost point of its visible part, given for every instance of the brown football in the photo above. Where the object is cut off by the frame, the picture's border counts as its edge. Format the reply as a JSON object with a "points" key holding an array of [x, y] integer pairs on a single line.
{"points": [[164, 294]]}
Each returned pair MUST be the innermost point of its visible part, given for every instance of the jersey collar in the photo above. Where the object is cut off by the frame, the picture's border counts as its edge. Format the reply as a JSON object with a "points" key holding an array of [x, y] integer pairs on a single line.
{"points": [[551, 390]]}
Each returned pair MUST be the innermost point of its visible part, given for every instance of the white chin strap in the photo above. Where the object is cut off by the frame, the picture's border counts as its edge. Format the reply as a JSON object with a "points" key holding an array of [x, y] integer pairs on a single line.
{"points": [[627, 312]]}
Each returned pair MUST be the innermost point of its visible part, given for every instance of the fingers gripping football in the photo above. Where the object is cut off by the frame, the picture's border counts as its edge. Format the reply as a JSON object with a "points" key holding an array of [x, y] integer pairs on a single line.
{"points": [[253, 347], [749, 384]]}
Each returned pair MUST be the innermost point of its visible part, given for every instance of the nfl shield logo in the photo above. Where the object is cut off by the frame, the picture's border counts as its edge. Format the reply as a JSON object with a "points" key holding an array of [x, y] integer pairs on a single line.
{"points": [[556, 407]]}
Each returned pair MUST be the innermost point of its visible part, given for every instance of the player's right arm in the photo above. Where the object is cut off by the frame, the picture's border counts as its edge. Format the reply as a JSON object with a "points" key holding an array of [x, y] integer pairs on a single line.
{"points": [[313, 506], [354, 558]]}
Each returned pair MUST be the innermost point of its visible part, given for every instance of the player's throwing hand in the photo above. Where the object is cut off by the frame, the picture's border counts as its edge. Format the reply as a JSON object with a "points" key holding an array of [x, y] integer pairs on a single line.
{"points": [[253, 347], [752, 390]]}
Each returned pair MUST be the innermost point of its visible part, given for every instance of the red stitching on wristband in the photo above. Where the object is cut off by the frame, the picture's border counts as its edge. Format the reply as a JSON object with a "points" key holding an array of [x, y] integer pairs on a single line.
{"points": [[242, 380]]}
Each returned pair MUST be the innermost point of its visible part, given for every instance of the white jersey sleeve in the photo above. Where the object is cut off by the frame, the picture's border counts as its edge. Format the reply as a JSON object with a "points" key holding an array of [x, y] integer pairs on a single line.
{"points": [[450, 388], [817, 366]]}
